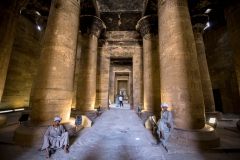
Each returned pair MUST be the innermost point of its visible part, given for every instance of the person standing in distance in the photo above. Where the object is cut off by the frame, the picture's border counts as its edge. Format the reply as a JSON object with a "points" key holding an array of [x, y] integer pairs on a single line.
{"points": [[121, 100]]}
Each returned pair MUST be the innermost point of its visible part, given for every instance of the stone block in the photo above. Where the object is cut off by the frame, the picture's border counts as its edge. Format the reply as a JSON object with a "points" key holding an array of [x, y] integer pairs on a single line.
{"points": [[86, 122], [3, 120], [148, 123]]}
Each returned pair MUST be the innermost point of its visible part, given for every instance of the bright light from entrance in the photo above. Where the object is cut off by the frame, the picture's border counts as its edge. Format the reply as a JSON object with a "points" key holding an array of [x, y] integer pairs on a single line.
{"points": [[137, 139]]}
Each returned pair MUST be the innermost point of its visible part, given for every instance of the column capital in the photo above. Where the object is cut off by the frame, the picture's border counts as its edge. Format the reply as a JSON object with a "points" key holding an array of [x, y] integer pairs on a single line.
{"points": [[199, 21], [22, 3], [148, 25], [92, 25]]}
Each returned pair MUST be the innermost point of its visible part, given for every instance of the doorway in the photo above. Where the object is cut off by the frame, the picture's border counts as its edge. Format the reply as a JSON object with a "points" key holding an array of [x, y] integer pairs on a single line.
{"points": [[217, 100]]}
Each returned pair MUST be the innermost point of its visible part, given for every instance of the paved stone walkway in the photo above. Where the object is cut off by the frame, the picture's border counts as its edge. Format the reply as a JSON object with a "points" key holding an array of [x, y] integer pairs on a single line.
{"points": [[118, 134]]}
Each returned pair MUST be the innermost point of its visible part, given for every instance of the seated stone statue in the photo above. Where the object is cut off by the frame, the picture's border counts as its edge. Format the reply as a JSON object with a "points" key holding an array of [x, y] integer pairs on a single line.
{"points": [[165, 125], [55, 137]]}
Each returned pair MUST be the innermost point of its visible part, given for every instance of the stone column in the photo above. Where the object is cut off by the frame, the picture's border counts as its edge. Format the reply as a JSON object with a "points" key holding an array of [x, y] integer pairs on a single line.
{"points": [[151, 94], [131, 89], [180, 78], [198, 24], [232, 12], [115, 86], [103, 79], [9, 13], [91, 28], [52, 95], [137, 79], [111, 90], [42, 23]]}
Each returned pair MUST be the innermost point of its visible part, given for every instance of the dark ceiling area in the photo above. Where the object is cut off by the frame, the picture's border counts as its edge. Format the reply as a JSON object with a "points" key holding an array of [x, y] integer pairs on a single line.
{"points": [[122, 15]]}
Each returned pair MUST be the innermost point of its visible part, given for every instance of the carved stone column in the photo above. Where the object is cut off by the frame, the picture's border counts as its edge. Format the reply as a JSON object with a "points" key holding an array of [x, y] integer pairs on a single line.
{"points": [[137, 79], [91, 28], [198, 24], [180, 78], [52, 95], [232, 12], [9, 13], [41, 21], [131, 89], [151, 83]]}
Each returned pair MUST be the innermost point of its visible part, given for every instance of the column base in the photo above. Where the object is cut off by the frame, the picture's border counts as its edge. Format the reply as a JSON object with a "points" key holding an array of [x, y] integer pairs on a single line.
{"points": [[89, 113], [215, 114], [3, 119], [29, 135], [197, 138], [238, 125], [146, 114]]}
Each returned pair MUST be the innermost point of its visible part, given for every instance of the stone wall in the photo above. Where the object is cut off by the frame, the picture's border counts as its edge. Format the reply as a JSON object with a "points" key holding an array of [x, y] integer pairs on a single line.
{"points": [[221, 65], [22, 66]]}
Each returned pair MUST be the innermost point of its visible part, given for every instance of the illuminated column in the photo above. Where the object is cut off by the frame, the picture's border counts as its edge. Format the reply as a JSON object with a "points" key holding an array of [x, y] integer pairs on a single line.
{"points": [[232, 12], [9, 12], [151, 94], [198, 24], [131, 89], [180, 80], [42, 23], [180, 77], [52, 94], [137, 79], [91, 28]]}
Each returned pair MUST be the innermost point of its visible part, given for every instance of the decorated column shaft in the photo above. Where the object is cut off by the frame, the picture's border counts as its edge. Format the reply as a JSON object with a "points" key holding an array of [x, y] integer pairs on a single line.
{"points": [[91, 28], [180, 78], [198, 24], [232, 12], [149, 31], [9, 12], [52, 94]]}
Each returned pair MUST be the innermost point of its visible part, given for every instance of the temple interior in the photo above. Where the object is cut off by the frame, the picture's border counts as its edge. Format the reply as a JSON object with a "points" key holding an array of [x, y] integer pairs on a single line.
{"points": [[71, 58]]}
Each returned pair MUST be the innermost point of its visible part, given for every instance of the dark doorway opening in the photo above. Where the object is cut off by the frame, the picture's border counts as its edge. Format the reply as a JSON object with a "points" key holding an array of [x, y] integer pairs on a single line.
{"points": [[217, 100]]}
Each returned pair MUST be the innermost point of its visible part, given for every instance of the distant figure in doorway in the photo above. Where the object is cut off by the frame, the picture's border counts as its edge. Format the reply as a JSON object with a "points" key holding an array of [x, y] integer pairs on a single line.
{"points": [[165, 125], [55, 137], [121, 100], [117, 101]]}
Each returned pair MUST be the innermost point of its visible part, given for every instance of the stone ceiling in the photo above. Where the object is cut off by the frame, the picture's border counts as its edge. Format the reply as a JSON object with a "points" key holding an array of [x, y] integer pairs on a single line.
{"points": [[120, 15]]}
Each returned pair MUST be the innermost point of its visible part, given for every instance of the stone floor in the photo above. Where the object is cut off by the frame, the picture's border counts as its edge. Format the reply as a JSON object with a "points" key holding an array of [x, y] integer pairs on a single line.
{"points": [[119, 134]]}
